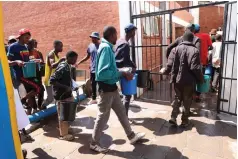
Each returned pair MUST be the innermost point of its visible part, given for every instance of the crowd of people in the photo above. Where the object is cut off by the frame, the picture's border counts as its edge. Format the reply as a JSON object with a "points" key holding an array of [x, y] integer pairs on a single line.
{"points": [[188, 57]]}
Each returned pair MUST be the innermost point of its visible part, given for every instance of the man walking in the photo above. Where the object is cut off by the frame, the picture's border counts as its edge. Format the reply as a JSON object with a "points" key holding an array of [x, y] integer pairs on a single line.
{"points": [[92, 52], [206, 45], [52, 61], [62, 86], [107, 76], [184, 66], [122, 53]]}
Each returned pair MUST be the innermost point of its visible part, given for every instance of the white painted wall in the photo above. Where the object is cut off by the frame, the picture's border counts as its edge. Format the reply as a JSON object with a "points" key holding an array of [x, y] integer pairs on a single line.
{"points": [[195, 12]]}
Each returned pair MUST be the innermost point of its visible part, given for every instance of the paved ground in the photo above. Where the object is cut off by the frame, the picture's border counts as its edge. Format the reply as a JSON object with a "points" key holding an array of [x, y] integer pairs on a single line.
{"points": [[208, 137]]}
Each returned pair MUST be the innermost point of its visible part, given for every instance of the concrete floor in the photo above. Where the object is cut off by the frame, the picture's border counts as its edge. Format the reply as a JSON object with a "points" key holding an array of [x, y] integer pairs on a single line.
{"points": [[209, 136]]}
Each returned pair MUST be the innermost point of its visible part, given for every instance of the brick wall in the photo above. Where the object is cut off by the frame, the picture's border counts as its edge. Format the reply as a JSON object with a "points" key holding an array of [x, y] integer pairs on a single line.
{"points": [[211, 18], [71, 22]]}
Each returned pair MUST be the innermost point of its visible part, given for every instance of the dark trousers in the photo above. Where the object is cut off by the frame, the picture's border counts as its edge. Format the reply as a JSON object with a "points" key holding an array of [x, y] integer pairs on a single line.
{"points": [[126, 103], [183, 94], [215, 77], [94, 86]]}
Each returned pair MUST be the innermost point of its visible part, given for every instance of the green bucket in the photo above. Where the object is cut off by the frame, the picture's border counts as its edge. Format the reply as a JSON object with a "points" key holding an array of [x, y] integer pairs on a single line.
{"points": [[204, 87], [29, 70]]}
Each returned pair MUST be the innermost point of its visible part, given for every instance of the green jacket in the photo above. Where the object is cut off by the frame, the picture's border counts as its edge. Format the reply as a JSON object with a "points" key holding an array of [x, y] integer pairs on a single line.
{"points": [[106, 69]]}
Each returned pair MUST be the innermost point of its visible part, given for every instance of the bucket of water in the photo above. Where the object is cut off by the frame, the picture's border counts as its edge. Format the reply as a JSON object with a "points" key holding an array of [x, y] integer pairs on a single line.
{"points": [[68, 110], [129, 87], [29, 69], [142, 78], [204, 87]]}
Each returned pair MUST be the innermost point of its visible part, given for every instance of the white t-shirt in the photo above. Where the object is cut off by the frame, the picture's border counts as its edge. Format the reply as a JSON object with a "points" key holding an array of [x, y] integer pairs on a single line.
{"points": [[216, 51]]}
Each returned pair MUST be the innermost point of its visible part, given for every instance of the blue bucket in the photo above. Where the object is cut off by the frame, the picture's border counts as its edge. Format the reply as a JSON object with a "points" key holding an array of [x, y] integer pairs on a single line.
{"points": [[204, 87], [129, 87], [29, 69]]}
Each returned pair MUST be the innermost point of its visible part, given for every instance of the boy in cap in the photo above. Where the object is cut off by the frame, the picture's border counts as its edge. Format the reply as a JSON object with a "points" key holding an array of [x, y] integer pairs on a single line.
{"points": [[11, 39], [92, 52], [206, 45], [122, 54], [18, 54], [185, 68]]}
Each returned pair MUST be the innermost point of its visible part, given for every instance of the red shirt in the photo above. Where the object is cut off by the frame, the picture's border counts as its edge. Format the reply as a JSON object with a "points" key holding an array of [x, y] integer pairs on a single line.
{"points": [[205, 43]]}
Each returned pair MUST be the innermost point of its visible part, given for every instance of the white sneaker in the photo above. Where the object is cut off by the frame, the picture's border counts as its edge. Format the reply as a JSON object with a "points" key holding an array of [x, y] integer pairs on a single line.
{"points": [[137, 137], [92, 102]]}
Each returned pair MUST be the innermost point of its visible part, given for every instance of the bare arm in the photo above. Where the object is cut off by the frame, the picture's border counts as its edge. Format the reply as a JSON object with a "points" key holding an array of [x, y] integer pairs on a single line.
{"points": [[51, 61], [84, 59]]}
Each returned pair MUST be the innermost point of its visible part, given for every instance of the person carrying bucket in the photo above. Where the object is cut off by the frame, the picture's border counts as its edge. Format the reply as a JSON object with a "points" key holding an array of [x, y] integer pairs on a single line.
{"points": [[92, 53], [122, 55], [107, 75], [185, 68], [52, 61], [61, 80], [18, 53], [35, 54]]}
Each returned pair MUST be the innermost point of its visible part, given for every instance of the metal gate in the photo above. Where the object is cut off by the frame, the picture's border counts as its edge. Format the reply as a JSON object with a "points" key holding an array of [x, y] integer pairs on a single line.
{"points": [[154, 22], [227, 96], [149, 47]]}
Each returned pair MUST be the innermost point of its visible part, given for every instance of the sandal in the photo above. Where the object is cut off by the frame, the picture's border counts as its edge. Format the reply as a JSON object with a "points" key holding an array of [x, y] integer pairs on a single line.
{"points": [[68, 137], [98, 148]]}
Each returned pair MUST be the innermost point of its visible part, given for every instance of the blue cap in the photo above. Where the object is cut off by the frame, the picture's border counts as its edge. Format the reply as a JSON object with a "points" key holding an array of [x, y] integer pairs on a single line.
{"points": [[196, 27], [95, 35], [130, 27]]}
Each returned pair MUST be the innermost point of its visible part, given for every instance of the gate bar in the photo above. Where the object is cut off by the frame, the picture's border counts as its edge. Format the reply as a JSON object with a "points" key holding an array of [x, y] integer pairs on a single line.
{"points": [[177, 9]]}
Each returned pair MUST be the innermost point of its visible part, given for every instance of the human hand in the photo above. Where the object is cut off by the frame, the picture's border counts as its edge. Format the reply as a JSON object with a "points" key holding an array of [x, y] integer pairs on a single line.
{"points": [[20, 63], [162, 70], [63, 58], [129, 76]]}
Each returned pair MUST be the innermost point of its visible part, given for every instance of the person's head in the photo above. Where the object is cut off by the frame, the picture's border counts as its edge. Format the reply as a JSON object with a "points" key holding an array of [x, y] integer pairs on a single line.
{"points": [[24, 36], [95, 37], [188, 36], [197, 28], [31, 44], [35, 43], [130, 30], [58, 46], [191, 28], [110, 34], [218, 37], [11, 39], [213, 32], [71, 57], [219, 29]]}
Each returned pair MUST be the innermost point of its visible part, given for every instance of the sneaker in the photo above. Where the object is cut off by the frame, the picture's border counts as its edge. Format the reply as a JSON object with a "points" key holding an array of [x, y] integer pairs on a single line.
{"points": [[185, 123], [68, 137], [92, 102], [98, 148], [137, 137], [173, 121]]}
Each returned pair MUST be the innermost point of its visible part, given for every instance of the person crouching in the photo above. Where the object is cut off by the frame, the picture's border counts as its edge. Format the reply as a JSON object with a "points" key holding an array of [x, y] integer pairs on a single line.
{"points": [[185, 68], [62, 86]]}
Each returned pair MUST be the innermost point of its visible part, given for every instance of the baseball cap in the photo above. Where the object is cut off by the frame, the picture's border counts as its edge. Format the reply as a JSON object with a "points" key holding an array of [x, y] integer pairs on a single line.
{"points": [[130, 27], [197, 27], [11, 37], [95, 35], [22, 32]]}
